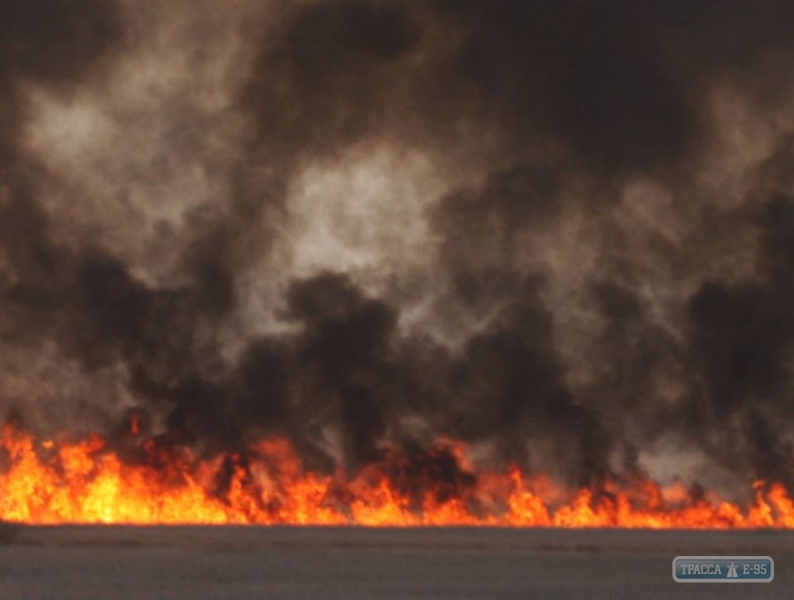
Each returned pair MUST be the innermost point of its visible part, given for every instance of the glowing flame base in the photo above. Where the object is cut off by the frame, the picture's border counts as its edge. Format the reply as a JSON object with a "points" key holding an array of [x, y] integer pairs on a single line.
{"points": [[48, 482]]}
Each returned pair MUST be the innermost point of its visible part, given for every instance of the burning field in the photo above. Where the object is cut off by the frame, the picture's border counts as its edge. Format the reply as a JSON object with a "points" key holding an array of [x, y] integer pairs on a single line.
{"points": [[394, 298], [155, 483], [397, 263]]}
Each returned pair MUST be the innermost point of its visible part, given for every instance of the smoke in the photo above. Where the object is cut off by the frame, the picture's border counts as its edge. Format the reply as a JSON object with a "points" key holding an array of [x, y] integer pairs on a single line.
{"points": [[561, 232]]}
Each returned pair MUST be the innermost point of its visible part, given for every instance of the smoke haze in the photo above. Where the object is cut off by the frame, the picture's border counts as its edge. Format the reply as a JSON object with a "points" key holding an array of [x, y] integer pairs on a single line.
{"points": [[560, 231]]}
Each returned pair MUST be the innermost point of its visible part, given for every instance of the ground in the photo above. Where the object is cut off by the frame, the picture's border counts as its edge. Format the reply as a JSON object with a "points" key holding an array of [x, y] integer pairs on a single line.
{"points": [[231, 563]]}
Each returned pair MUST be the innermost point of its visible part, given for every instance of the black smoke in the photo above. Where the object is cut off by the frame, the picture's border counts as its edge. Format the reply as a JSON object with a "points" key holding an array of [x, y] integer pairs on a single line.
{"points": [[579, 325]]}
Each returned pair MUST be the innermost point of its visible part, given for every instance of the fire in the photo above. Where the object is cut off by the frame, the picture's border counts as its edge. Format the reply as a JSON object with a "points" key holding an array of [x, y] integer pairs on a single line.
{"points": [[88, 481]]}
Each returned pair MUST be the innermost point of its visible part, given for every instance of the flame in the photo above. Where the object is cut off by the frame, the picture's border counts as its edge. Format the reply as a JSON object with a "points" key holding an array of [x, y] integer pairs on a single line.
{"points": [[135, 424], [60, 481]]}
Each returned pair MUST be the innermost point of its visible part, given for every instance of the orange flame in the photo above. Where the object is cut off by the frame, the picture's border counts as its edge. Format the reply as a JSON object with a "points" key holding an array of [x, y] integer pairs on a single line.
{"points": [[51, 482]]}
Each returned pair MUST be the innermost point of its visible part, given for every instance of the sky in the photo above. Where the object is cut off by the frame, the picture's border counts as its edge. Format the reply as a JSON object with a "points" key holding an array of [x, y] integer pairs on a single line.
{"points": [[561, 232]]}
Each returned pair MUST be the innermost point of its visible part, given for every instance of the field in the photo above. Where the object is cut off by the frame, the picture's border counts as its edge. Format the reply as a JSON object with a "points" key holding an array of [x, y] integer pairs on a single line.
{"points": [[328, 563]]}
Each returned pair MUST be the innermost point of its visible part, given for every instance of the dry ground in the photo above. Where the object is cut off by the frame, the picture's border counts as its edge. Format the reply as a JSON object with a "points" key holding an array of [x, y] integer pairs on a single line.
{"points": [[231, 563]]}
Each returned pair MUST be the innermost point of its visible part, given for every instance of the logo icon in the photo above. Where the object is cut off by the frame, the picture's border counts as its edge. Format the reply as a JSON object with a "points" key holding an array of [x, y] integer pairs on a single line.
{"points": [[723, 569], [732, 571]]}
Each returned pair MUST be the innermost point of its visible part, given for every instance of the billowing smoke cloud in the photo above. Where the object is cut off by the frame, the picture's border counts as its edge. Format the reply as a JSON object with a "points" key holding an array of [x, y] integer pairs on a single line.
{"points": [[561, 232]]}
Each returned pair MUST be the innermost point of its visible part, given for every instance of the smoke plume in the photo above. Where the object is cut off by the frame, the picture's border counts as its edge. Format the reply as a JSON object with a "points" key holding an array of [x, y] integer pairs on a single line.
{"points": [[562, 232]]}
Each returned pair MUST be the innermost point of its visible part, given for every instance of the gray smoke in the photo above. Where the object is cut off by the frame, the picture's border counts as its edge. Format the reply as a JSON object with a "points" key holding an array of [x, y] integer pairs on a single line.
{"points": [[561, 232]]}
